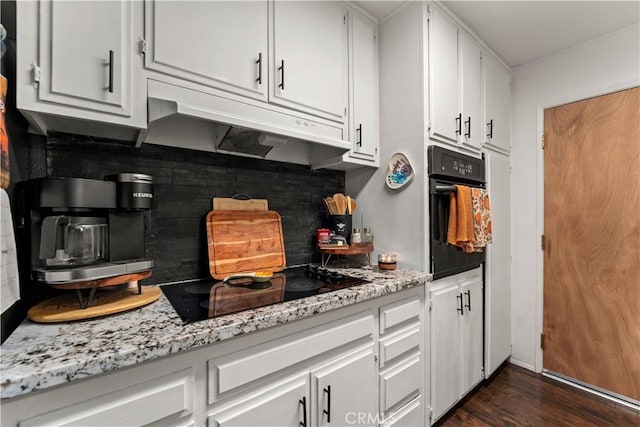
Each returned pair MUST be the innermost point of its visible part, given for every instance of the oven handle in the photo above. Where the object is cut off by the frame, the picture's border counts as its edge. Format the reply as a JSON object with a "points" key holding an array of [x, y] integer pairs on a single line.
{"points": [[445, 189]]}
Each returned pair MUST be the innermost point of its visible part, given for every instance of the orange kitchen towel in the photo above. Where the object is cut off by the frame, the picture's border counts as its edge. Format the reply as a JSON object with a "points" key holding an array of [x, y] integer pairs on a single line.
{"points": [[481, 218], [460, 232]]}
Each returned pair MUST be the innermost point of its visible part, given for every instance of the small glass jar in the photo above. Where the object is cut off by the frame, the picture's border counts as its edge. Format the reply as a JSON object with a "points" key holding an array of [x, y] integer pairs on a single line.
{"points": [[387, 261], [356, 237], [367, 235]]}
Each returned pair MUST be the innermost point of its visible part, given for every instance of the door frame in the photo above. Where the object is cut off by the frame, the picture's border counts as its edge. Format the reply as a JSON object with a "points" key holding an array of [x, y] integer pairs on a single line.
{"points": [[539, 270]]}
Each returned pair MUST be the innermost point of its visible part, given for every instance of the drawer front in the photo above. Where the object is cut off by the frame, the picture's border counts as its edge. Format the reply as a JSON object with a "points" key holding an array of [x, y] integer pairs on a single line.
{"points": [[397, 313], [142, 404], [410, 415], [401, 383], [400, 343], [234, 370]]}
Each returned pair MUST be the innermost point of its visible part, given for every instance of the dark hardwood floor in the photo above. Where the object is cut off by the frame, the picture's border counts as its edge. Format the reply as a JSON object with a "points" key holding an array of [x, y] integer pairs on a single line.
{"points": [[517, 397]]}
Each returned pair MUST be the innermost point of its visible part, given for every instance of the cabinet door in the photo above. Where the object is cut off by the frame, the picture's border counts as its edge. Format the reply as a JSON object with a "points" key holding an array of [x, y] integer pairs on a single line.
{"points": [[443, 77], [497, 87], [472, 338], [309, 64], [281, 404], [221, 44], [445, 347], [346, 388], [86, 62], [498, 266], [471, 88], [364, 87]]}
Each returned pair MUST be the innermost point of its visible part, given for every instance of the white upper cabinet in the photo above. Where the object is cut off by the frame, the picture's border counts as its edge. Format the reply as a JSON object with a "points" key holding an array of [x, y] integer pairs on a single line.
{"points": [[363, 87], [445, 118], [222, 44], [497, 95], [455, 83], [81, 68], [469, 67], [309, 62]]}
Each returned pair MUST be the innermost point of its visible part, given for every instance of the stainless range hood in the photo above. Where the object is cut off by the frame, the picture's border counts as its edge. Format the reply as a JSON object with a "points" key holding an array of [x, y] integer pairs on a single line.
{"points": [[221, 123]]}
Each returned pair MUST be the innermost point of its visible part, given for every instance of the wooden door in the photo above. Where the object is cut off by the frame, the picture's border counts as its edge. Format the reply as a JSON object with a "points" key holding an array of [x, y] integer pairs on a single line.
{"points": [[592, 248]]}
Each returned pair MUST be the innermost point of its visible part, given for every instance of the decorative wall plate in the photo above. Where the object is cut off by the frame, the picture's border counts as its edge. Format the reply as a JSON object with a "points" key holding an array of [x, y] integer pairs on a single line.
{"points": [[400, 171]]}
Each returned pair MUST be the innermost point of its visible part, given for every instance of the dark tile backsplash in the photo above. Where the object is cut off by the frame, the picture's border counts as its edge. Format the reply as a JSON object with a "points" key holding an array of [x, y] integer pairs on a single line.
{"points": [[185, 181]]}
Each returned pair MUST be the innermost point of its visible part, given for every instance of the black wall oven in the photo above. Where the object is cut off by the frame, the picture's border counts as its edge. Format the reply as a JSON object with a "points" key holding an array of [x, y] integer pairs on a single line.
{"points": [[447, 168]]}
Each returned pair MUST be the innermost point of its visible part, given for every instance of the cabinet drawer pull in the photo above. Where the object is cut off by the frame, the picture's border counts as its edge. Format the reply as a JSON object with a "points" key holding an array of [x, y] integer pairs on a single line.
{"points": [[460, 307], [328, 410], [281, 68], [459, 124], [111, 71], [468, 124], [468, 306], [303, 402], [359, 130], [259, 64], [490, 129]]}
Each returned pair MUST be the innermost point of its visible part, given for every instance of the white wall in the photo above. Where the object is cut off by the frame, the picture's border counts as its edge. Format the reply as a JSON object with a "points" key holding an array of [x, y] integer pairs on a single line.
{"points": [[600, 66], [398, 217]]}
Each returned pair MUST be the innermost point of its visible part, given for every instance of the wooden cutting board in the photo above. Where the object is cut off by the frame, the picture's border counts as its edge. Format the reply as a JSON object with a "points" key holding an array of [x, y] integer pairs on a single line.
{"points": [[244, 241], [66, 308], [228, 204]]}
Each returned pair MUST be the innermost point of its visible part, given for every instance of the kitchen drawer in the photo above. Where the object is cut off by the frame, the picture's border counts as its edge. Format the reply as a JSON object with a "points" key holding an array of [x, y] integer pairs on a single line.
{"points": [[397, 313], [234, 370], [399, 343], [141, 404], [401, 383], [410, 415]]}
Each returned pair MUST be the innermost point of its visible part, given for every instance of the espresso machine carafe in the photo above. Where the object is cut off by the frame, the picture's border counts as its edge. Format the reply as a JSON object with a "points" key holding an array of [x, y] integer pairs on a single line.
{"points": [[68, 241]]}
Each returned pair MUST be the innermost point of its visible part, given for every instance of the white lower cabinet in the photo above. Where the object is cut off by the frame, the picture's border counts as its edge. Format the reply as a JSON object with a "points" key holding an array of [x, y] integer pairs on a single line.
{"points": [[402, 368], [344, 390], [280, 404], [319, 371], [340, 392], [140, 404], [456, 338]]}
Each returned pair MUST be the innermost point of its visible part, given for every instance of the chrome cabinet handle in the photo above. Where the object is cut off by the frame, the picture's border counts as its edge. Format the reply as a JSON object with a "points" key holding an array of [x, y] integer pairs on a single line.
{"points": [[111, 71]]}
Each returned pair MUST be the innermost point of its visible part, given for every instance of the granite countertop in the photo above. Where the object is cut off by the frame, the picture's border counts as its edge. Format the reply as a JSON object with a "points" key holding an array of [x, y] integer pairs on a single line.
{"points": [[37, 356]]}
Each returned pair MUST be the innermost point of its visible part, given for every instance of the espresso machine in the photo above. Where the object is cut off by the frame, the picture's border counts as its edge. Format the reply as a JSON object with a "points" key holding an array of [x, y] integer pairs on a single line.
{"points": [[77, 233]]}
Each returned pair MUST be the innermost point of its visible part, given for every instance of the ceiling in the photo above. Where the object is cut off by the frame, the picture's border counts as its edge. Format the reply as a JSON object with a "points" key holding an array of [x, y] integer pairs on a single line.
{"points": [[523, 31]]}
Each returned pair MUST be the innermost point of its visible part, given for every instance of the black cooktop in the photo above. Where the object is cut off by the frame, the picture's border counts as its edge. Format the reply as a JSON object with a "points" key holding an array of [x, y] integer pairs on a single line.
{"points": [[208, 298]]}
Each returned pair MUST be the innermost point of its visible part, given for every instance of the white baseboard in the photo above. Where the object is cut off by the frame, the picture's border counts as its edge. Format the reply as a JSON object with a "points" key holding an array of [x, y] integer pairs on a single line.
{"points": [[522, 364]]}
